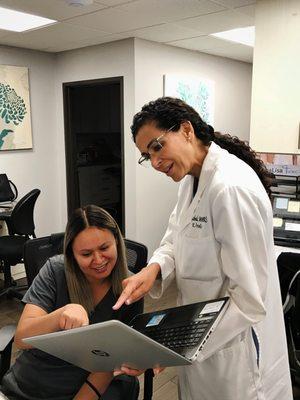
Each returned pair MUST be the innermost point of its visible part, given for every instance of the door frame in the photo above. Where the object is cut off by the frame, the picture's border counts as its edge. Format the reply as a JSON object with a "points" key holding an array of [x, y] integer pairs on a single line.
{"points": [[72, 186]]}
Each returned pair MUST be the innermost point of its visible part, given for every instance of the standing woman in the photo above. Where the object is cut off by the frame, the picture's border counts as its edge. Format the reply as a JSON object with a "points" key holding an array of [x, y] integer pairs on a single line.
{"points": [[219, 242]]}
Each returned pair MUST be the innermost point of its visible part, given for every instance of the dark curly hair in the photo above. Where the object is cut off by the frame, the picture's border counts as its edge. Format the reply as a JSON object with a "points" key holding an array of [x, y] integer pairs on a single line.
{"points": [[166, 112]]}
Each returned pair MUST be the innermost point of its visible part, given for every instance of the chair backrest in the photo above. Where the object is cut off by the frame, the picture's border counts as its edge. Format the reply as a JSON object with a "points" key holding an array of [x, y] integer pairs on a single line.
{"points": [[137, 254], [37, 251], [22, 221]]}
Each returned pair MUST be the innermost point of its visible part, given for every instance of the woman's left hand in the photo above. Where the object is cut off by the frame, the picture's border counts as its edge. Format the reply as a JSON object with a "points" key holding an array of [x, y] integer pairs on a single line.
{"points": [[128, 371], [134, 372]]}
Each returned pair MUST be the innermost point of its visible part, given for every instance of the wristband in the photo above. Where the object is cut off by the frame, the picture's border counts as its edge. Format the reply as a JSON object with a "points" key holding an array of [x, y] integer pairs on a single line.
{"points": [[93, 388]]}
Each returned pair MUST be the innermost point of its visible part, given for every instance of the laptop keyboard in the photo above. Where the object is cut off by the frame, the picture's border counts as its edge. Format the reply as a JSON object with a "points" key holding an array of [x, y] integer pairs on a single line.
{"points": [[180, 336]]}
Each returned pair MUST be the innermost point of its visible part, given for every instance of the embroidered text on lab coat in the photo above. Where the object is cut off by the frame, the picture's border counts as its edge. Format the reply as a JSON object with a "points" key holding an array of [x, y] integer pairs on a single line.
{"points": [[197, 221]]}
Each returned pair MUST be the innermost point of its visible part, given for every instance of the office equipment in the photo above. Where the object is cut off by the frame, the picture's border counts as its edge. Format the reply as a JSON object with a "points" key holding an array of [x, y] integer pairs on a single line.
{"points": [[286, 221], [168, 337], [286, 185], [21, 228], [8, 190], [289, 276]]}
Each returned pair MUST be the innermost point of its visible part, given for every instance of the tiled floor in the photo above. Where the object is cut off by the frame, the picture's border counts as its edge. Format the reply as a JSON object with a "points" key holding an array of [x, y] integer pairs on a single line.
{"points": [[164, 384]]}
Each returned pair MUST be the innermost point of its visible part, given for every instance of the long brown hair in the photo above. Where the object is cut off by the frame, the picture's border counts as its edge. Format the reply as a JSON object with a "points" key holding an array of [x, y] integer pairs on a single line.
{"points": [[166, 112], [78, 286]]}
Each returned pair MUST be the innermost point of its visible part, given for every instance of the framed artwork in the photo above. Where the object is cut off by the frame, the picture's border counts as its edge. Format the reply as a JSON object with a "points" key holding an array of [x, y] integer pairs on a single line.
{"points": [[197, 92], [15, 119]]}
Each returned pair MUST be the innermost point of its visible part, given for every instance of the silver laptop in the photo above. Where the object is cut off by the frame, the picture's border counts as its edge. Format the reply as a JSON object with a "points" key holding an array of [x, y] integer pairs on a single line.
{"points": [[170, 337]]}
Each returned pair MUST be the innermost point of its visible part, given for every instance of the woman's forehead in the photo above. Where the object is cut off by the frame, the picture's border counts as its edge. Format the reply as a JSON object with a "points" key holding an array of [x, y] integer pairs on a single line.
{"points": [[145, 134], [92, 233]]}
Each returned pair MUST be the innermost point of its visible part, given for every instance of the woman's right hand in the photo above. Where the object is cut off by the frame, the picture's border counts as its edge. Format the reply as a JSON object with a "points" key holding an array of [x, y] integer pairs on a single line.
{"points": [[73, 316], [137, 286]]}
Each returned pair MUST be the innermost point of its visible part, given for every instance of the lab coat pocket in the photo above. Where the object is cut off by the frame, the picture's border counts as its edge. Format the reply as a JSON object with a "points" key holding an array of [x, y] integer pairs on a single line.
{"points": [[199, 259], [232, 364]]}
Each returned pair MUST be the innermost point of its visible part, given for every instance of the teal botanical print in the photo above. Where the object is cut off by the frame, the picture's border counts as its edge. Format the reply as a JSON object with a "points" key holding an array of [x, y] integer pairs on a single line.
{"points": [[12, 106], [197, 92], [15, 123], [12, 109], [197, 97]]}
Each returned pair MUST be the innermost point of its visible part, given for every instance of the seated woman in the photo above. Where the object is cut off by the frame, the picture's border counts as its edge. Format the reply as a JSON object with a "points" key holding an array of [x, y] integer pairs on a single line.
{"points": [[70, 291]]}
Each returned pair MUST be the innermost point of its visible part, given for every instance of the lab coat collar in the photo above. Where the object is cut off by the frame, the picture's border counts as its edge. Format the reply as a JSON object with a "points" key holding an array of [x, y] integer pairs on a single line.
{"points": [[207, 171], [208, 167]]}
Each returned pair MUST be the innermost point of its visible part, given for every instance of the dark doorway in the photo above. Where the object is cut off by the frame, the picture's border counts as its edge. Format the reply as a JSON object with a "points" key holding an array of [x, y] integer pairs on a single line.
{"points": [[93, 112]]}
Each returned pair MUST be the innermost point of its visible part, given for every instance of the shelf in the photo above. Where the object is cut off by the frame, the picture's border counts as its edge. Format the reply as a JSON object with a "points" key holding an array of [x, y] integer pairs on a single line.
{"points": [[286, 186]]}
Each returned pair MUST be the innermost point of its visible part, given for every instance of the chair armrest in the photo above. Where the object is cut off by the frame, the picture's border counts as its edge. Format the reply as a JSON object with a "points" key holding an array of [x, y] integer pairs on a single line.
{"points": [[148, 384], [6, 336]]}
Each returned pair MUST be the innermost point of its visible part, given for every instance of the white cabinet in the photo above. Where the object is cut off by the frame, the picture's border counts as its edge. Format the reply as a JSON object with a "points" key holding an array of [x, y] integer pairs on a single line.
{"points": [[275, 109]]}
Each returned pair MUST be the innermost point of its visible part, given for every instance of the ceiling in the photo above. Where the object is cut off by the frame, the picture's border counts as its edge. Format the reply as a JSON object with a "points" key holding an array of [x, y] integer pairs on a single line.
{"points": [[181, 23]]}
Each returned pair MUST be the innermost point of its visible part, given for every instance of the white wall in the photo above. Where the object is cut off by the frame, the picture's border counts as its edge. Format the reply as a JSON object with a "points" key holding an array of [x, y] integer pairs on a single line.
{"points": [[275, 112], [149, 197], [36, 168], [156, 194]]}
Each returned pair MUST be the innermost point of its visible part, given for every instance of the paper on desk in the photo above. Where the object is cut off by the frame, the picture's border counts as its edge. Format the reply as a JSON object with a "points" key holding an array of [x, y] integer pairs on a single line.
{"points": [[291, 226], [282, 202], [294, 206], [277, 222]]}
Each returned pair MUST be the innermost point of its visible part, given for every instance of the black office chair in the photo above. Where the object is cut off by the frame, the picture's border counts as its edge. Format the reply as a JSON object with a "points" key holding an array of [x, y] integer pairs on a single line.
{"points": [[292, 324], [289, 276], [36, 253], [21, 228]]}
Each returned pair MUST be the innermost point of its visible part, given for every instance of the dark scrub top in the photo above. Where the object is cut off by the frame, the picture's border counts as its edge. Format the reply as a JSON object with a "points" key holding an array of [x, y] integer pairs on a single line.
{"points": [[37, 375]]}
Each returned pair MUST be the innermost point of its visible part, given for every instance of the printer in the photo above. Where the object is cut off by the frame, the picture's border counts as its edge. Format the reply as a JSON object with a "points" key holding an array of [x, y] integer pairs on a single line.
{"points": [[286, 221]]}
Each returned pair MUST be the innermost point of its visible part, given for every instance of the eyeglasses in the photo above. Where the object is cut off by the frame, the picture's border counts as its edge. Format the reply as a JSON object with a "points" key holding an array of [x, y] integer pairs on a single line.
{"points": [[154, 147]]}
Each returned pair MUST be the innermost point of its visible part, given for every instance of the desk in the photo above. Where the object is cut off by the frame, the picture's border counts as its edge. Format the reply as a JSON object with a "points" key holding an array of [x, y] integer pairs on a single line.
{"points": [[5, 214], [282, 249]]}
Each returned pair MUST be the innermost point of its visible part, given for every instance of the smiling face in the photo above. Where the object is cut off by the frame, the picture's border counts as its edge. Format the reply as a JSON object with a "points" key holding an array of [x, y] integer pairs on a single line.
{"points": [[180, 152], [95, 251]]}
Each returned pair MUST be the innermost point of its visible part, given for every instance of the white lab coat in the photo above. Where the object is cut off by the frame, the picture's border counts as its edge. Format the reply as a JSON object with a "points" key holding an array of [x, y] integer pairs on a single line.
{"points": [[220, 243]]}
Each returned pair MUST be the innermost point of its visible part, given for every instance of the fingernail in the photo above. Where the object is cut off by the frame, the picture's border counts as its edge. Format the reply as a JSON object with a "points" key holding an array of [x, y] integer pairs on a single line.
{"points": [[116, 373], [128, 302]]}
